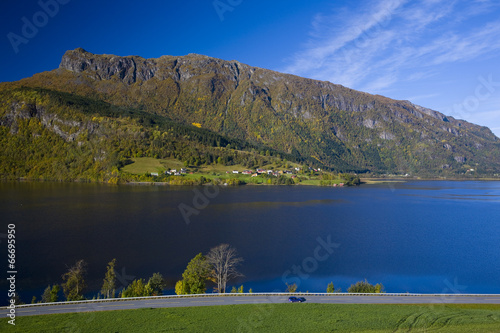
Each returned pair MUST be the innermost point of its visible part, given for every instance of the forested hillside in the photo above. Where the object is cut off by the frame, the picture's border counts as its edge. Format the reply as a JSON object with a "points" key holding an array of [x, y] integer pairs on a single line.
{"points": [[97, 111], [53, 135]]}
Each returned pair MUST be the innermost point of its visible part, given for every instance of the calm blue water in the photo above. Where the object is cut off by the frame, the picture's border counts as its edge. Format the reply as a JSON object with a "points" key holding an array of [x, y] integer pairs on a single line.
{"points": [[426, 236]]}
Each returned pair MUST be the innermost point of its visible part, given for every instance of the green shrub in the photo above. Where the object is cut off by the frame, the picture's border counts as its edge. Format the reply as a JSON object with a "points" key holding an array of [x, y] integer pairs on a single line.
{"points": [[365, 287]]}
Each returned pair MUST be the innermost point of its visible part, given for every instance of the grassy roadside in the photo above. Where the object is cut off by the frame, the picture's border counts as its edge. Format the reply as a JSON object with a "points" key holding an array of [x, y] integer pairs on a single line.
{"points": [[283, 317]]}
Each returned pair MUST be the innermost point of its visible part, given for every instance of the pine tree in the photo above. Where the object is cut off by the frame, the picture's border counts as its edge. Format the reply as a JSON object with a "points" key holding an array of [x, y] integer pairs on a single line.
{"points": [[46, 295]]}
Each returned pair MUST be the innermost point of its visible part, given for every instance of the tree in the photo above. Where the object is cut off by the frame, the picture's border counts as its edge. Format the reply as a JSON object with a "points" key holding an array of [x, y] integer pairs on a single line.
{"points": [[195, 276], [239, 290], [138, 288], [330, 288], [365, 287], [109, 285], [54, 293], [351, 180], [74, 284], [157, 284], [46, 295], [180, 287], [51, 294], [291, 288], [224, 261]]}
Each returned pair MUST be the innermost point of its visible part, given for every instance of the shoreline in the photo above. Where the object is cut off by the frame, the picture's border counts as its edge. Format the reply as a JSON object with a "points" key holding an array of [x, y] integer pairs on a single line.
{"points": [[364, 181]]}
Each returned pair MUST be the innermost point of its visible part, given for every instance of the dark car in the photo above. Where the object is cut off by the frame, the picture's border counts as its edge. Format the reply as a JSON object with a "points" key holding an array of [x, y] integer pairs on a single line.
{"points": [[293, 299]]}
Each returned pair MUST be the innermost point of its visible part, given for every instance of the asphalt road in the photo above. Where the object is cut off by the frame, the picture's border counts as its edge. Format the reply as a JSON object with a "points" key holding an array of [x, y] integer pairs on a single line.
{"points": [[254, 299]]}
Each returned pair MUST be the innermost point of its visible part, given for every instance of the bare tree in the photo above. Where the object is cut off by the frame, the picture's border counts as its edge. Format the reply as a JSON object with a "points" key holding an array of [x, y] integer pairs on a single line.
{"points": [[224, 261]]}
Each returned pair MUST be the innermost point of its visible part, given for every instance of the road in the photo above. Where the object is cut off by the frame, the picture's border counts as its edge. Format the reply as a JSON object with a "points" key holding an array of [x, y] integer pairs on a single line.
{"points": [[170, 302]]}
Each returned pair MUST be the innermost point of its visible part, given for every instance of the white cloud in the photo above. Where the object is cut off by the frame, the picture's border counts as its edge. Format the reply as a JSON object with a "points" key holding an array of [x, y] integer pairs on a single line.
{"points": [[393, 41], [415, 99], [466, 47], [420, 75], [334, 35]]}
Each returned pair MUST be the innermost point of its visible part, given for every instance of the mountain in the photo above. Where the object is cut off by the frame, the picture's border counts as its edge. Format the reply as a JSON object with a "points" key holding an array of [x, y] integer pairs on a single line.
{"points": [[307, 120]]}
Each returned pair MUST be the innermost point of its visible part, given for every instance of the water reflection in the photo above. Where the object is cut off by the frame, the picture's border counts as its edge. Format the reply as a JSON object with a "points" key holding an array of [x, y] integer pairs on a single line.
{"points": [[409, 236]]}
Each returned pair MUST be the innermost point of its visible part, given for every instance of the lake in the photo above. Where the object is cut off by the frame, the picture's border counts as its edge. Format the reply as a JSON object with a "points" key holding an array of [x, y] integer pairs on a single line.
{"points": [[417, 236]]}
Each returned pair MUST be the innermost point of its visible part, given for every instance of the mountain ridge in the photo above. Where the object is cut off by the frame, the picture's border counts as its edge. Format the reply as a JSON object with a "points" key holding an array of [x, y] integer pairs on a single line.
{"points": [[68, 63], [339, 127]]}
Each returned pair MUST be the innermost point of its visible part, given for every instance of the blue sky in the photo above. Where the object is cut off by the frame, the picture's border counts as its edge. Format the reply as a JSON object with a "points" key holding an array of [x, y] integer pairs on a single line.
{"points": [[443, 55]]}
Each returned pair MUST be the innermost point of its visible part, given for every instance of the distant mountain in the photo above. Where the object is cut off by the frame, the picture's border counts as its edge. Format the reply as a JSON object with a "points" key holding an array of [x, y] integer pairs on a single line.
{"points": [[313, 121]]}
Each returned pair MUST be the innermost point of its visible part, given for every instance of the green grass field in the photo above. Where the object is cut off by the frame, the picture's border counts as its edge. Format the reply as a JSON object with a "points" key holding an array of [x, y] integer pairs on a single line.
{"points": [[287, 317], [144, 165]]}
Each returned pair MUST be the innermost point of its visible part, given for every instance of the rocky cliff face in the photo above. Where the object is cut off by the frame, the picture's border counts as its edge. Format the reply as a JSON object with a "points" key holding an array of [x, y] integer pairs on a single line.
{"points": [[331, 123], [106, 67], [132, 69], [67, 129]]}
